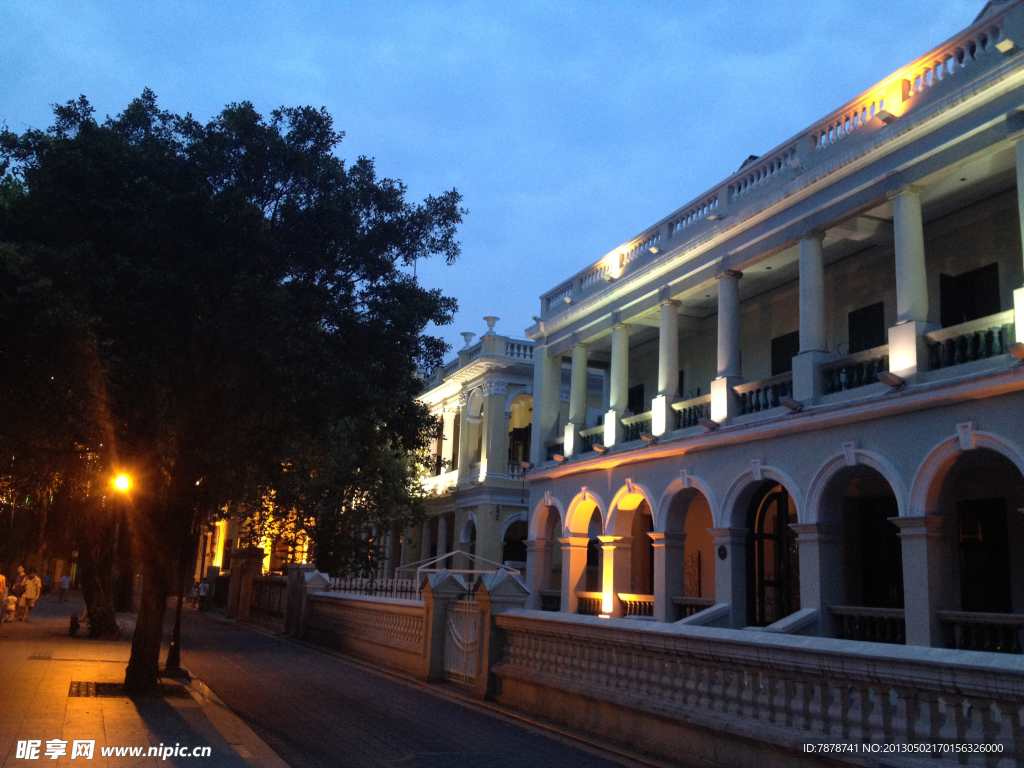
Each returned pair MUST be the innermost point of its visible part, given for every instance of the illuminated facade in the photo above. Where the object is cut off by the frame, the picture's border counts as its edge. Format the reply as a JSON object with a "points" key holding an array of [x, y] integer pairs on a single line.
{"points": [[815, 414], [482, 402]]}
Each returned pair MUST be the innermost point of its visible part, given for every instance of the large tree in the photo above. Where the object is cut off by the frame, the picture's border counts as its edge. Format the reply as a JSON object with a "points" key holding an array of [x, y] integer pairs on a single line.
{"points": [[239, 294]]}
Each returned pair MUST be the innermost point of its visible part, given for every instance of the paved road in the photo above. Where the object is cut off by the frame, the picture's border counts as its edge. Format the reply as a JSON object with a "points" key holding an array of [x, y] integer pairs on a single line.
{"points": [[317, 710]]}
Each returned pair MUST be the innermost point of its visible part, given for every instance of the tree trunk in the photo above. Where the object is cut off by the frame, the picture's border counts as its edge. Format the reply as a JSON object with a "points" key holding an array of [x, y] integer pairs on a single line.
{"points": [[142, 677]]}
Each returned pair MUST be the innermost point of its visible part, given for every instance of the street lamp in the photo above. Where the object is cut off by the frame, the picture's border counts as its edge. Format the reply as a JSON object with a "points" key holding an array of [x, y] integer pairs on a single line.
{"points": [[122, 483]]}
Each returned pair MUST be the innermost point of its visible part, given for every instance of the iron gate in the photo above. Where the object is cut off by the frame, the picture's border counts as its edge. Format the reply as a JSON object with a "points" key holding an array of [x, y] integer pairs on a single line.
{"points": [[461, 648]]}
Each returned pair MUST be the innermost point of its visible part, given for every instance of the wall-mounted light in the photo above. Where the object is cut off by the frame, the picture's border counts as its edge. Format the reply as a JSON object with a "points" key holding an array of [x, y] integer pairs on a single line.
{"points": [[715, 216], [890, 379], [1017, 350], [885, 116], [708, 424], [1006, 45], [536, 319], [525, 465], [790, 403], [558, 457], [654, 249], [599, 448], [567, 299], [647, 437], [608, 277]]}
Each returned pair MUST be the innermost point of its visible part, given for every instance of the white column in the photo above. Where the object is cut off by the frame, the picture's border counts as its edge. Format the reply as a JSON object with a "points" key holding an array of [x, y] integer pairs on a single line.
{"points": [[662, 415], [812, 294], [669, 573], [425, 542], [724, 402], [538, 569], [1018, 294], [578, 388], [619, 385], [495, 437], [928, 556], [729, 324], [668, 350], [821, 582], [442, 539], [905, 338], [389, 555], [448, 444], [911, 277], [574, 570], [616, 561], [731, 573], [577, 398], [547, 383], [466, 442]]}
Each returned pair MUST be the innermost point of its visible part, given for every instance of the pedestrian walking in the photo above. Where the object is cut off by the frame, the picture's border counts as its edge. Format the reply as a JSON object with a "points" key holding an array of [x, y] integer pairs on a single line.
{"points": [[3, 596], [204, 590], [18, 589], [195, 596], [65, 585], [33, 586]]}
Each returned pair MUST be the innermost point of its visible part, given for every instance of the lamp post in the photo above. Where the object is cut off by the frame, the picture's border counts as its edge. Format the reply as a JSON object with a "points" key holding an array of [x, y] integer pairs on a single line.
{"points": [[173, 664]]}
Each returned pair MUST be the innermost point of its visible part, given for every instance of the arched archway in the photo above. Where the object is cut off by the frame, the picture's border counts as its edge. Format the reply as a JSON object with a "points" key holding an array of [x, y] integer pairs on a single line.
{"points": [[773, 566], [629, 551], [858, 552], [686, 550], [474, 426], [582, 557], [467, 534], [520, 427], [513, 544], [544, 556]]}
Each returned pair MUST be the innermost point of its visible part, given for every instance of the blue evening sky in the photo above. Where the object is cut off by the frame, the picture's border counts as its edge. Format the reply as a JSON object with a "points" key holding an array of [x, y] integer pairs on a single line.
{"points": [[568, 126]]}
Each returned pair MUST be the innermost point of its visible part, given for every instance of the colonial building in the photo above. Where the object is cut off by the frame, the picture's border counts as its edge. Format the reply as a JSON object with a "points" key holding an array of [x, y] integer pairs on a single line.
{"points": [[477, 489], [815, 418]]}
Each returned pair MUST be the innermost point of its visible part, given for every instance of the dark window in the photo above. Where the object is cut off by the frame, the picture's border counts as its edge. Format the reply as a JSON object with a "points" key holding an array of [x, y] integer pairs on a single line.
{"points": [[866, 327], [784, 349], [519, 443], [682, 384], [969, 296], [455, 443], [984, 556], [635, 399], [773, 561], [881, 554]]}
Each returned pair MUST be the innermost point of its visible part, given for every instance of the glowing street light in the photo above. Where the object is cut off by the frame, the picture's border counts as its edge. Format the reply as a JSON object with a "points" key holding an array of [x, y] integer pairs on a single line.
{"points": [[122, 483]]}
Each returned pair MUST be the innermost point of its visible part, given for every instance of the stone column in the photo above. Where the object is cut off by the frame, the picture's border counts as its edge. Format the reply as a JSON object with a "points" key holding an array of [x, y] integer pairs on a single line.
{"points": [[807, 380], [448, 443], [724, 402], [662, 415], [731, 572], [538, 569], [574, 570], [495, 438], [577, 398], [669, 573], [389, 555], [616, 561], [619, 385], [1018, 293], [425, 542], [821, 576], [906, 347], [927, 576], [466, 442], [442, 540], [547, 383]]}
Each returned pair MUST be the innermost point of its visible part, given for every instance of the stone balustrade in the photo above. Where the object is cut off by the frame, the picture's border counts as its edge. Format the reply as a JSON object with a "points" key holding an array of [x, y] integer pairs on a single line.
{"points": [[689, 606], [757, 396], [976, 340], [784, 691], [856, 370], [551, 600], [992, 632], [690, 412], [637, 605], [588, 603], [873, 625], [633, 426]]}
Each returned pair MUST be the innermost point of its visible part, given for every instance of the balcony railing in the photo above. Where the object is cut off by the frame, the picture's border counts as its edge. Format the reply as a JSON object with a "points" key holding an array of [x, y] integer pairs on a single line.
{"points": [[976, 340], [874, 625], [590, 436], [632, 426], [551, 447], [550, 600], [856, 370], [690, 412], [588, 603], [688, 606], [756, 396], [637, 605], [945, 72], [994, 632]]}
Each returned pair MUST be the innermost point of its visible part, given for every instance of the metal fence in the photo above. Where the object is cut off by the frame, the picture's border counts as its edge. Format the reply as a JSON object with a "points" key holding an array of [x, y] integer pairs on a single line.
{"points": [[269, 594], [402, 589]]}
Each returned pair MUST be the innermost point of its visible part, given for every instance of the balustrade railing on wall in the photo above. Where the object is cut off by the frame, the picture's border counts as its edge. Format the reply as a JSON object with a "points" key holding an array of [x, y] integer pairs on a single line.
{"points": [[768, 688], [874, 625], [636, 605], [856, 370], [993, 632], [550, 600], [520, 350], [588, 437], [690, 412], [985, 337], [516, 471], [402, 589], [632, 426], [756, 396], [688, 606], [552, 447], [588, 603]]}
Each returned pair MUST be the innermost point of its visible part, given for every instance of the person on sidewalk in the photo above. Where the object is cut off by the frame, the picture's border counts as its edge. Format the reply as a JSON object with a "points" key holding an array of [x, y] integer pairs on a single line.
{"points": [[18, 588], [47, 583], [33, 586], [204, 590], [65, 585], [3, 596], [195, 596]]}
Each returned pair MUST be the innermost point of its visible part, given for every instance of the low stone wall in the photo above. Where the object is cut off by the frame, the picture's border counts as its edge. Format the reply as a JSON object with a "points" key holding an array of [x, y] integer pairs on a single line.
{"points": [[707, 696], [387, 631]]}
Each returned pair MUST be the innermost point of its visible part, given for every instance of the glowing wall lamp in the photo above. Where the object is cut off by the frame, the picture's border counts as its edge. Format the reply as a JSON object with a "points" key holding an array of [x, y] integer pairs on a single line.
{"points": [[1017, 350], [890, 379], [709, 424], [791, 404], [599, 448]]}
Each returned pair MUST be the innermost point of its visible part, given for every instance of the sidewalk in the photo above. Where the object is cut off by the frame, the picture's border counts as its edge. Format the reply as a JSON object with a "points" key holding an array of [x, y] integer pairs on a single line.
{"points": [[38, 664]]}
